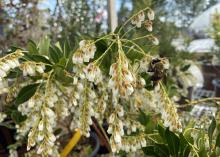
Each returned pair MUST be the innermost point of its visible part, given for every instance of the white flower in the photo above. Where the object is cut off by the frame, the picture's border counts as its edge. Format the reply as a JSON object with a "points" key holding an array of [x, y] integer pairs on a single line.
{"points": [[52, 137], [130, 89], [150, 15], [120, 111], [117, 137], [155, 40], [40, 149], [13, 153], [40, 68], [138, 19], [112, 118], [2, 117], [148, 25], [50, 113], [40, 136], [143, 143], [109, 130], [77, 57], [93, 73], [2, 73], [5, 67], [11, 63], [31, 103], [128, 76], [41, 125]]}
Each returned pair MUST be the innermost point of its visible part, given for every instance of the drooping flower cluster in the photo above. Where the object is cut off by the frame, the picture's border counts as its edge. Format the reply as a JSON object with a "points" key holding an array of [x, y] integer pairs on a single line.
{"points": [[167, 109], [138, 19], [93, 73], [116, 129], [41, 120], [9, 62], [121, 82], [85, 52], [133, 143], [32, 68]]}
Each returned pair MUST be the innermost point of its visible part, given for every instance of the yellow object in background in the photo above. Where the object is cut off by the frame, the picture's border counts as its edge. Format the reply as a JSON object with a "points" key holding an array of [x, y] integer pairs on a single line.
{"points": [[74, 140]]}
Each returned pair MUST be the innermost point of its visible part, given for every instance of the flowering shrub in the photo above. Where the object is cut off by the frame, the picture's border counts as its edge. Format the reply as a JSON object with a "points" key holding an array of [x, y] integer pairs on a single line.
{"points": [[104, 78]]}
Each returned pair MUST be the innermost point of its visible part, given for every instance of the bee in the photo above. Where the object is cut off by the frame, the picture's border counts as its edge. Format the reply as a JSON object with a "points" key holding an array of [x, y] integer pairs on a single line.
{"points": [[158, 67]]}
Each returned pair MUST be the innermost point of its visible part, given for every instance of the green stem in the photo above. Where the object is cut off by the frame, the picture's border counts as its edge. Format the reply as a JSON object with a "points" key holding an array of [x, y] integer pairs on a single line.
{"points": [[97, 60]]}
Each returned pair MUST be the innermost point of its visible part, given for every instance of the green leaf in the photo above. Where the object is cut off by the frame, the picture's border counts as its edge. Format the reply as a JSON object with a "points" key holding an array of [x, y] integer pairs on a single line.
{"points": [[32, 47], [26, 93], [173, 142], [55, 54], [213, 154], [37, 58], [44, 46], [185, 67], [211, 130], [158, 150], [161, 131], [143, 118], [184, 146], [66, 49], [218, 141], [17, 117]]}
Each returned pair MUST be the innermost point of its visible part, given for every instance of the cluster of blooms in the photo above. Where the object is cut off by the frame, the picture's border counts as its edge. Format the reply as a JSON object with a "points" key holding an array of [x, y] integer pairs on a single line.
{"points": [[116, 129], [132, 125], [167, 109], [133, 143], [140, 17], [2, 116], [101, 105], [122, 80], [9, 62], [85, 52], [93, 73], [30, 68], [40, 122]]}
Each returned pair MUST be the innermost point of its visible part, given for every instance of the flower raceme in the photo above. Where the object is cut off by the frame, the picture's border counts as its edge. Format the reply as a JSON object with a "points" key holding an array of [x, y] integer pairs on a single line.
{"points": [[9, 62], [85, 52], [122, 80], [138, 19]]}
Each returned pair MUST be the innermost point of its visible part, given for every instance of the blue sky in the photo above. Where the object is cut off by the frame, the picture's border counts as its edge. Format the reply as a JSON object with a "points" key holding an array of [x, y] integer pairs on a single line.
{"points": [[51, 4]]}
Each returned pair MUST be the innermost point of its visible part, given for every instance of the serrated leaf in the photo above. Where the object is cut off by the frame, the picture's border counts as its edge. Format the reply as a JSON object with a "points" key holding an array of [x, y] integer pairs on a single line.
{"points": [[143, 118], [32, 47], [26, 93], [184, 146], [211, 130], [37, 58], [218, 141], [161, 131], [17, 117], [66, 49], [173, 142], [44, 45], [157, 150]]}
